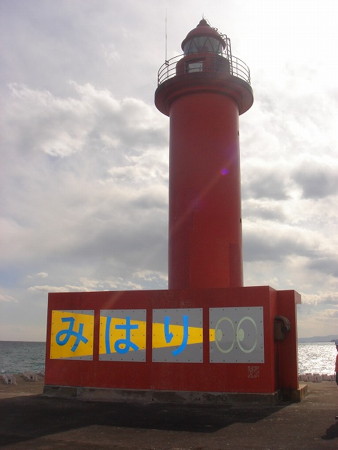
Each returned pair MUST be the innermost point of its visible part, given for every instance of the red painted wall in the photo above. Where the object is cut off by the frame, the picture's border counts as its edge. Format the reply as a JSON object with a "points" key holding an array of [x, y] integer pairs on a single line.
{"points": [[205, 233], [286, 351], [148, 375]]}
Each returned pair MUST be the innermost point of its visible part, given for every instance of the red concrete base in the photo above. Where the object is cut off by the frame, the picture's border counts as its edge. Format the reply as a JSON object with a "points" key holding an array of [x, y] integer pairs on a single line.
{"points": [[167, 397], [205, 340]]}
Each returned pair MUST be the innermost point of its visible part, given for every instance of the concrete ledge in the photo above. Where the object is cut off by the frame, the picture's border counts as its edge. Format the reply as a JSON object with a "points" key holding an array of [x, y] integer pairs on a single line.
{"points": [[60, 391], [149, 396], [295, 395]]}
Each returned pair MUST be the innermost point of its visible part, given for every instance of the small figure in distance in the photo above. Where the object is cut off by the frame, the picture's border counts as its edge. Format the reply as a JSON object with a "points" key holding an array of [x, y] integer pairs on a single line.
{"points": [[336, 368]]}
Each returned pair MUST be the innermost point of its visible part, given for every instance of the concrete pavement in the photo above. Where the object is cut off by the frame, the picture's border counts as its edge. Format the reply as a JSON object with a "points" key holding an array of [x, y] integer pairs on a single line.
{"points": [[31, 421]]}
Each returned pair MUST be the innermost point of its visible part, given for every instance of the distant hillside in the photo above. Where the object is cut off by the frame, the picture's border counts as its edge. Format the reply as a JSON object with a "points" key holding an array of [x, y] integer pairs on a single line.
{"points": [[329, 338]]}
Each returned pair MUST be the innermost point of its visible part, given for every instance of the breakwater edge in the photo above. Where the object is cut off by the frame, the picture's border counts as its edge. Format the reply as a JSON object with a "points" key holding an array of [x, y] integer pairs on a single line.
{"points": [[316, 360]]}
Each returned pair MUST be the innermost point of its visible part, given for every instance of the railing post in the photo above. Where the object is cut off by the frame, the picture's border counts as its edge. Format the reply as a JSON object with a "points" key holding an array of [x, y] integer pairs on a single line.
{"points": [[237, 68]]}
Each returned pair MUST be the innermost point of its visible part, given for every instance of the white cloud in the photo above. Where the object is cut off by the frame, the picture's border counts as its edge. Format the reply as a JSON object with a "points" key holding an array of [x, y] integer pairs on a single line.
{"points": [[6, 298], [82, 189], [317, 180], [85, 162], [42, 275]]}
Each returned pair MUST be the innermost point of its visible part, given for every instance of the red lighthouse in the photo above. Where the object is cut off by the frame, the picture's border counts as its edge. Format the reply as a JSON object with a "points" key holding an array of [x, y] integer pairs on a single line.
{"points": [[207, 336], [204, 93]]}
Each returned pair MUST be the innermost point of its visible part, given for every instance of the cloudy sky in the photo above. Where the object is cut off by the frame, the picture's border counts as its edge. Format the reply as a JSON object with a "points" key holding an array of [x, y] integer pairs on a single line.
{"points": [[84, 152]]}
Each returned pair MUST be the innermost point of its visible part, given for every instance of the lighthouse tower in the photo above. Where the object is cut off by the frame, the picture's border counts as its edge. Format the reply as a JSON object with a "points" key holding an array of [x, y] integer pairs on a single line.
{"points": [[203, 93], [207, 338]]}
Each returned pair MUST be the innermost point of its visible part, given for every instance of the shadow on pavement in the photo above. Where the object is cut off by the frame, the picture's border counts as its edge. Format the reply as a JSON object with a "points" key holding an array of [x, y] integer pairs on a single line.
{"points": [[331, 432], [30, 417]]}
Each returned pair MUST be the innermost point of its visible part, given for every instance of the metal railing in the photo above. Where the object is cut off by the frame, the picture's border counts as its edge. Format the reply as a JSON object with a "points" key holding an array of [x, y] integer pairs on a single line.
{"points": [[238, 68]]}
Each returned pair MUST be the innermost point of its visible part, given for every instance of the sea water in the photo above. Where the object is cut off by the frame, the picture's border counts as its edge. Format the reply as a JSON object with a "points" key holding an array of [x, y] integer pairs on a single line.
{"points": [[317, 357], [20, 357]]}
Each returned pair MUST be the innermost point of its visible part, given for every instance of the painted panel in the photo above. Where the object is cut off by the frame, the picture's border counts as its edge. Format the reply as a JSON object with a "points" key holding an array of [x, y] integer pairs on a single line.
{"points": [[209, 373], [122, 335], [177, 335], [72, 334], [236, 335]]}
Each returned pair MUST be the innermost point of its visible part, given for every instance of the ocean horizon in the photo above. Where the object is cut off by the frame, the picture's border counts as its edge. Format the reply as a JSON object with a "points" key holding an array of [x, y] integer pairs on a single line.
{"points": [[29, 356]]}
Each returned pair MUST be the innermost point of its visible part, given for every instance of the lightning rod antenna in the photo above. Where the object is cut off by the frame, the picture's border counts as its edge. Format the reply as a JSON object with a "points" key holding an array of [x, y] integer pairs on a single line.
{"points": [[166, 35]]}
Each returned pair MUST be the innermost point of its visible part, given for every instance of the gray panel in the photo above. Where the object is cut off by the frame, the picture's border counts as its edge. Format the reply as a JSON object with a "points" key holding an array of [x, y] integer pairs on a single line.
{"points": [[185, 352], [135, 314], [129, 315], [88, 312], [138, 356], [192, 354], [83, 358], [239, 335]]}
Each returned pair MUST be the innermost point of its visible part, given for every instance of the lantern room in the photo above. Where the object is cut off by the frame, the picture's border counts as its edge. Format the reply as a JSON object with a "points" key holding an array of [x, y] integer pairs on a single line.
{"points": [[203, 39], [205, 50]]}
